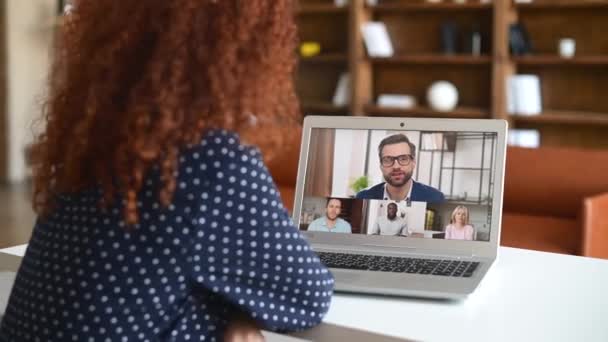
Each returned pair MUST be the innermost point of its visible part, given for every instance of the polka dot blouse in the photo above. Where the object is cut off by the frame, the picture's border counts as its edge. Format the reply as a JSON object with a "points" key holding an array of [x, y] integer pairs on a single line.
{"points": [[224, 247]]}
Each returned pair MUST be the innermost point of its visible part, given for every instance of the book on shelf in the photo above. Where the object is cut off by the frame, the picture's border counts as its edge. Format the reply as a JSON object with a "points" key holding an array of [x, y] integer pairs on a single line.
{"points": [[524, 95], [376, 38], [397, 101], [342, 93], [529, 138]]}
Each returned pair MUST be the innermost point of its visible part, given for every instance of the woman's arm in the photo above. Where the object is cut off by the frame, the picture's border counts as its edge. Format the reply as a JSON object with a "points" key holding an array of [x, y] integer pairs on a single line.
{"points": [[247, 249]]}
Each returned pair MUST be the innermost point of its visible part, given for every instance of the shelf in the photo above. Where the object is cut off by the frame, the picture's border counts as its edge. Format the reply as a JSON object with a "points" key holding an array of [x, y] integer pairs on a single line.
{"points": [[447, 168], [319, 108], [474, 200], [564, 5], [563, 117], [425, 6], [325, 58], [554, 60], [434, 59], [460, 112], [321, 9]]}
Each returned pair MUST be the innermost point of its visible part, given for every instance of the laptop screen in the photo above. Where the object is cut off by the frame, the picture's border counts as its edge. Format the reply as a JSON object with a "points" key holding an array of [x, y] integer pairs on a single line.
{"points": [[404, 184]]}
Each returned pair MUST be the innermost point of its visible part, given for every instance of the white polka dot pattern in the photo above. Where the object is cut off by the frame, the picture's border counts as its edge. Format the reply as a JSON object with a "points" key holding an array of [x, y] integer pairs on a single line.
{"points": [[224, 246]]}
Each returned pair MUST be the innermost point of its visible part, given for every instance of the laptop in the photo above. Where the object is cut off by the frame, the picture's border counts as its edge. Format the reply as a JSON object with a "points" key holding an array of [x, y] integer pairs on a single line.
{"points": [[402, 206]]}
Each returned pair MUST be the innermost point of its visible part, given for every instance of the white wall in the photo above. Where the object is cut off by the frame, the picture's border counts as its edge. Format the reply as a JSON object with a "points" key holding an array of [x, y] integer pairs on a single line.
{"points": [[29, 35], [349, 160]]}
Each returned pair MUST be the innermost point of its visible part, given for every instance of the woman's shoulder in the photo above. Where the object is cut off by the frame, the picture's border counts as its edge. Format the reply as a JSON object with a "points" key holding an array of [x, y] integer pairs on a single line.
{"points": [[220, 144]]}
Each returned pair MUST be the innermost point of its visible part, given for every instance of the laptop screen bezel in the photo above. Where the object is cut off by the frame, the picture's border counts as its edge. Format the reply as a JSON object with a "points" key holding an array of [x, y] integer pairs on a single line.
{"points": [[423, 246]]}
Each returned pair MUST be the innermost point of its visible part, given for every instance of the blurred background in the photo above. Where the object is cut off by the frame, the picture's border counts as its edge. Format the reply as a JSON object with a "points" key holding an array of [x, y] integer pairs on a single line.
{"points": [[540, 64]]}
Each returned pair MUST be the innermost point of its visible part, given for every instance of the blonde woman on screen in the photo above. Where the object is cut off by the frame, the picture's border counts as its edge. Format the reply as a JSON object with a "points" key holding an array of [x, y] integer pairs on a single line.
{"points": [[459, 227]]}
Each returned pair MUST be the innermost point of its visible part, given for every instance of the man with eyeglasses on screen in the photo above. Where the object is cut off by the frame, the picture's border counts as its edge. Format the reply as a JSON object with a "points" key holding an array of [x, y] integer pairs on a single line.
{"points": [[397, 162]]}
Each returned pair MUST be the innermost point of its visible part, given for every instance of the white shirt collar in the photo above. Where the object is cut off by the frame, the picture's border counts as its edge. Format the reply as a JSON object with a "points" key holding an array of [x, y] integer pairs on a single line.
{"points": [[386, 195]]}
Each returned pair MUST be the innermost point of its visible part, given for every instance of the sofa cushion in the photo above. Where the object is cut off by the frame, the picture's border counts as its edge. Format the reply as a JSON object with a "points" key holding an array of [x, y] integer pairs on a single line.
{"points": [[543, 233], [553, 181]]}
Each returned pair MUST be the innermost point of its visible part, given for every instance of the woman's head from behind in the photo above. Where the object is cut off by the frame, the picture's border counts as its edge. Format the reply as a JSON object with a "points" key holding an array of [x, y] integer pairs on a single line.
{"points": [[135, 81], [460, 215]]}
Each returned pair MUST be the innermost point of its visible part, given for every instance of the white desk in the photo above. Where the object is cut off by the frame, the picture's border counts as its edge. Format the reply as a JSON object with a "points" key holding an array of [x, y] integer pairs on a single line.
{"points": [[526, 296]]}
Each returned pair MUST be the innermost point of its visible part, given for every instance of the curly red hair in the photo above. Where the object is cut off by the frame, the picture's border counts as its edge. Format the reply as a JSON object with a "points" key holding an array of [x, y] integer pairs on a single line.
{"points": [[133, 82]]}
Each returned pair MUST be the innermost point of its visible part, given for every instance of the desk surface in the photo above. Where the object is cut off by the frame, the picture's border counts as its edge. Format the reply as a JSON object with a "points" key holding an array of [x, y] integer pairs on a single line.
{"points": [[526, 296]]}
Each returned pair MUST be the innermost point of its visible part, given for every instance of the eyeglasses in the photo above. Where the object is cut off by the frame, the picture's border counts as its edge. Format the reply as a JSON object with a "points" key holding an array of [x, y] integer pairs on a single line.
{"points": [[403, 160]]}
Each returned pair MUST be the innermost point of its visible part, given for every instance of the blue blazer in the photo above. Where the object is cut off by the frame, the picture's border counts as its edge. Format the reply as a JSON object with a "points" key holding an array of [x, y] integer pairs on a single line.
{"points": [[420, 193]]}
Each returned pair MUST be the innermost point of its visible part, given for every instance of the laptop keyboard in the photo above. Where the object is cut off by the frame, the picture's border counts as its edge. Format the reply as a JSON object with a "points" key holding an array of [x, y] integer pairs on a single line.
{"points": [[450, 268]]}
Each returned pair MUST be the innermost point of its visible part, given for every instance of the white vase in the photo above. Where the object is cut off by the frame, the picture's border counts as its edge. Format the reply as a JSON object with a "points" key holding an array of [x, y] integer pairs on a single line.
{"points": [[442, 96]]}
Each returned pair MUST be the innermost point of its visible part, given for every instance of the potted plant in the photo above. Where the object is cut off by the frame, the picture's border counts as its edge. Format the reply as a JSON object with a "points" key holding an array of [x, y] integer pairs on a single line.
{"points": [[359, 184]]}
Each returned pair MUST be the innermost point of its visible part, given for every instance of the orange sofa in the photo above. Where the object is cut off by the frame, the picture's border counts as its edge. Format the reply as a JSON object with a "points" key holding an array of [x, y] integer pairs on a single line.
{"points": [[556, 200]]}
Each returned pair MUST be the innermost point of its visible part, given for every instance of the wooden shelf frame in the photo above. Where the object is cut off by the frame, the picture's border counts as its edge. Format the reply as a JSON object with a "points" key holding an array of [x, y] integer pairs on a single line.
{"points": [[558, 117], [329, 8], [459, 112], [555, 60], [458, 59], [563, 5], [428, 6], [585, 71]]}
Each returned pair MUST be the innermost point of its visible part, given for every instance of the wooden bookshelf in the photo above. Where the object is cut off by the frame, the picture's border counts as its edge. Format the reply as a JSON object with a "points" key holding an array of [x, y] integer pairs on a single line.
{"points": [[563, 5], [434, 59], [572, 89], [328, 25], [459, 112], [320, 108], [555, 60], [574, 106], [557, 117], [397, 6], [326, 58], [320, 8]]}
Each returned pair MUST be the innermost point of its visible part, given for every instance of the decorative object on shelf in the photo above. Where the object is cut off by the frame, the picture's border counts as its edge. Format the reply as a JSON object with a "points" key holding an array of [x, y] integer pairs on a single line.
{"points": [[524, 95], [310, 49], [567, 47], [397, 101], [442, 96], [529, 138], [519, 41], [523, 1], [340, 3], [64, 6], [342, 94], [460, 1], [473, 41], [372, 2], [449, 38], [434, 1], [377, 40]]}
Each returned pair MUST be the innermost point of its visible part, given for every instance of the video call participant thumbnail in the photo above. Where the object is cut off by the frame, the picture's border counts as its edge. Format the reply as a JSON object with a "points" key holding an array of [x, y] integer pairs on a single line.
{"points": [[390, 224], [331, 222], [459, 227], [397, 162]]}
